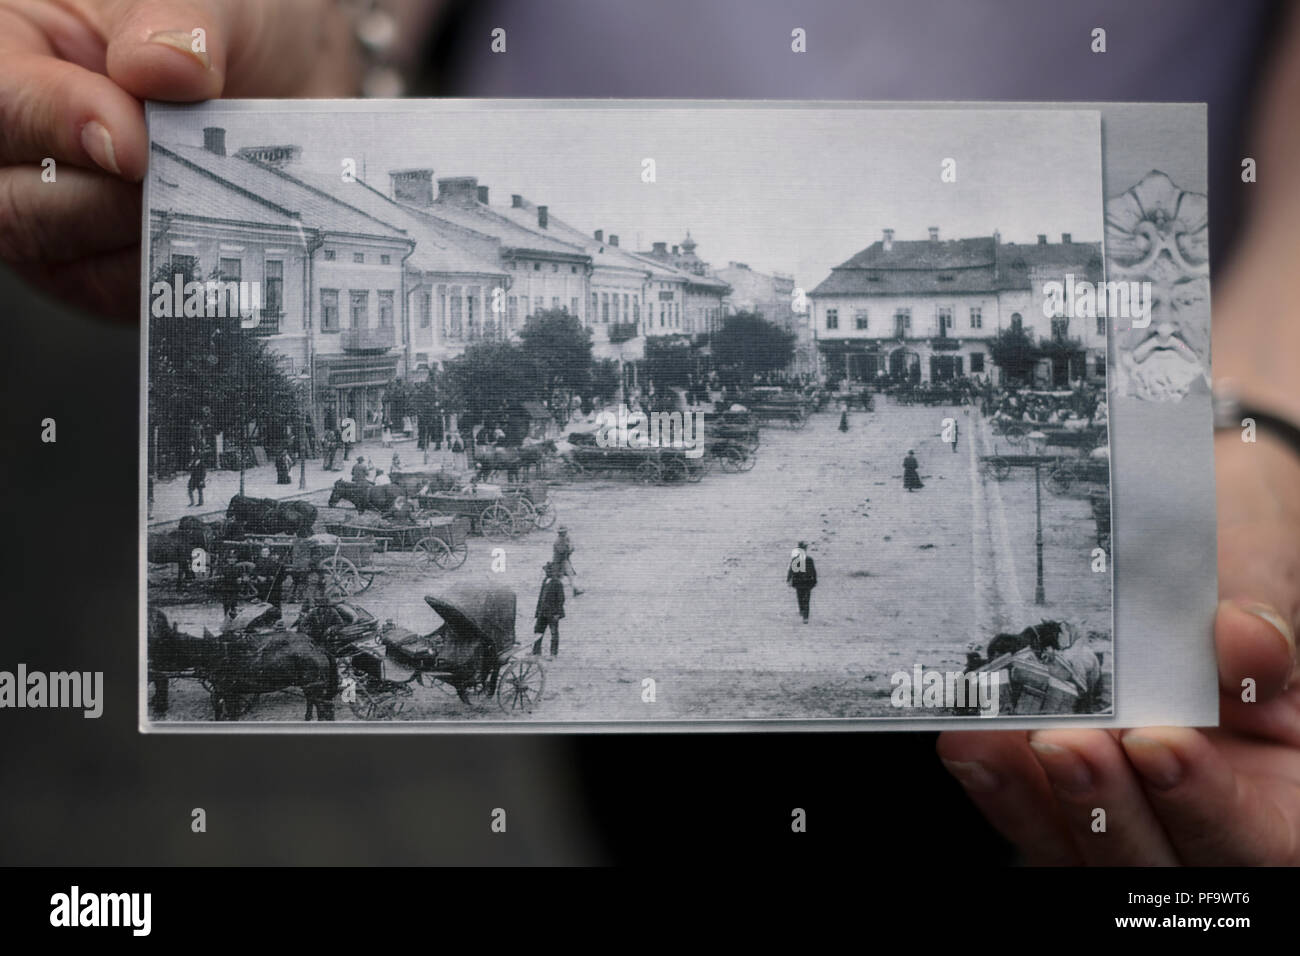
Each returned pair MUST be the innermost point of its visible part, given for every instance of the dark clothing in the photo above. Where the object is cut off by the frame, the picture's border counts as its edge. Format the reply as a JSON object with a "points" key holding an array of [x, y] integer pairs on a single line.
{"points": [[550, 608], [803, 580], [359, 473], [954, 437], [911, 477], [198, 473], [282, 466], [844, 421]]}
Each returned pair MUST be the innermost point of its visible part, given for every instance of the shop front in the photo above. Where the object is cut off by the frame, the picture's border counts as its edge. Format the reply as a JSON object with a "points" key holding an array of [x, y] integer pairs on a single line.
{"points": [[349, 386]]}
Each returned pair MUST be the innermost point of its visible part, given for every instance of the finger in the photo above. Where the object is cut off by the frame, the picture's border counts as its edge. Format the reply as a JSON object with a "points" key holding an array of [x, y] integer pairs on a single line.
{"points": [[50, 108], [1259, 564], [170, 49], [82, 212], [1089, 773], [1213, 815], [1004, 781]]}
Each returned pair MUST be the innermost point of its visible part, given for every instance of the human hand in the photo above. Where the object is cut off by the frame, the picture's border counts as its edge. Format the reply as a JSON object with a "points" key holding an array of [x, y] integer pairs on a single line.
{"points": [[73, 74], [1175, 795]]}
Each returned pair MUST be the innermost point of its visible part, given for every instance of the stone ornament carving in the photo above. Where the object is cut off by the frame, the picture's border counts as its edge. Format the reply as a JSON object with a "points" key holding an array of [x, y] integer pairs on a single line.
{"points": [[1159, 233]]}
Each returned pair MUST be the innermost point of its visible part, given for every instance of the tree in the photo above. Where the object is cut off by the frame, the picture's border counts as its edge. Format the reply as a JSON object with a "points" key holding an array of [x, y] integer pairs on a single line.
{"points": [[749, 345], [605, 380], [487, 378], [560, 348], [209, 376], [1013, 351], [669, 362]]}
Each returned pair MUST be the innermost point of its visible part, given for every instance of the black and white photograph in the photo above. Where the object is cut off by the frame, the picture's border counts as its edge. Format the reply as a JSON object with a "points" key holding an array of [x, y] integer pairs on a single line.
{"points": [[590, 415]]}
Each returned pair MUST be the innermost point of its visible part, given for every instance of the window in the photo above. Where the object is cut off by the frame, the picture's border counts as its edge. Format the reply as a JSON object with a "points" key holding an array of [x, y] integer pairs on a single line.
{"points": [[385, 260], [595, 307], [539, 305], [360, 309], [573, 269], [626, 307], [329, 255], [976, 317], [457, 307], [945, 320], [1101, 326], [573, 305], [274, 298], [442, 310], [471, 295], [512, 311], [555, 302], [329, 310], [902, 322], [1059, 327], [230, 269], [1017, 323], [604, 308], [426, 309], [555, 267], [636, 310], [860, 320], [976, 363], [386, 309], [358, 257], [832, 318], [537, 267], [188, 266]]}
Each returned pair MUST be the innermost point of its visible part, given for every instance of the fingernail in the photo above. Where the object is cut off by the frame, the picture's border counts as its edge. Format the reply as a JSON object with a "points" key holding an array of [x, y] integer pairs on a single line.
{"points": [[1064, 769], [1266, 612], [972, 775], [96, 141], [1157, 764], [183, 41]]}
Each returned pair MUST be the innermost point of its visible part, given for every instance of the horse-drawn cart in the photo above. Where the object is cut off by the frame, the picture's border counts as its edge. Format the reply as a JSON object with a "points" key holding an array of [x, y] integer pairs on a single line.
{"points": [[648, 465], [488, 512], [530, 504], [346, 562], [431, 541], [474, 651]]}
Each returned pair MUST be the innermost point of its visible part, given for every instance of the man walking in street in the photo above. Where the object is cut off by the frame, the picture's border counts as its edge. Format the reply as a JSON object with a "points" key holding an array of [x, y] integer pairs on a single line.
{"points": [[954, 437], [561, 557], [550, 608], [331, 449], [198, 476], [802, 576]]}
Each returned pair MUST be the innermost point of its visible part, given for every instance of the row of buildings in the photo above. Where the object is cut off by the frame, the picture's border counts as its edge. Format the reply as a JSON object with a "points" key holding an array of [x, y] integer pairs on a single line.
{"points": [[361, 285], [927, 309]]}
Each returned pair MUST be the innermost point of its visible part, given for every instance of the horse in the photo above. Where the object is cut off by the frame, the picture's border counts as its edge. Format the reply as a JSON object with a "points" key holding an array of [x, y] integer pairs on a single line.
{"points": [[178, 546], [365, 496], [1043, 634], [173, 653], [270, 516], [513, 460], [262, 663]]}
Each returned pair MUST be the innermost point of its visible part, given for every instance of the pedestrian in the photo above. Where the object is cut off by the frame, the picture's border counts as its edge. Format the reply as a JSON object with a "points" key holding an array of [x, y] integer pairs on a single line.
{"points": [[381, 478], [550, 608], [844, 419], [347, 445], [331, 448], [954, 437], [360, 473], [395, 466], [562, 558], [282, 465], [198, 477], [458, 456], [802, 576], [911, 477], [386, 436]]}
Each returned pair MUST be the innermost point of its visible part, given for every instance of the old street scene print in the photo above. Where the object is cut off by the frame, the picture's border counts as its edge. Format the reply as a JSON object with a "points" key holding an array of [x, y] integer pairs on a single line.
{"points": [[612, 413]]}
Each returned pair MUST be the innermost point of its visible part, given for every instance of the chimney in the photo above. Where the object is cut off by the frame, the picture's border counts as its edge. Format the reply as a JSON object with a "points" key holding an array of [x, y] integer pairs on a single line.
{"points": [[413, 186], [516, 201], [997, 237], [542, 216], [483, 195], [1042, 239], [1065, 238], [600, 235], [674, 250], [613, 239], [214, 140], [934, 233], [888, 243], [458, 189], [660, 249]]}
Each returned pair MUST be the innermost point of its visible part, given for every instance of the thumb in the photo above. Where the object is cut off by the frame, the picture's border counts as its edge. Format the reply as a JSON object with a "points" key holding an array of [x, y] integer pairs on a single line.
{"points": [[170, 49], [1258, 487]]}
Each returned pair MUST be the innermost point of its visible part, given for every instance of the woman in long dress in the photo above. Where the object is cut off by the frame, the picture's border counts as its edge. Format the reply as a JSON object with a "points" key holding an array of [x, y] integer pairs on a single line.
{"points": [[911, 477]]}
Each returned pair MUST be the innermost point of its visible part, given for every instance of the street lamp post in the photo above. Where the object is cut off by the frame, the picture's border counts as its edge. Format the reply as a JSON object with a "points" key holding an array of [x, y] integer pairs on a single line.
{"points": [[1039, 597], [303, 378]]}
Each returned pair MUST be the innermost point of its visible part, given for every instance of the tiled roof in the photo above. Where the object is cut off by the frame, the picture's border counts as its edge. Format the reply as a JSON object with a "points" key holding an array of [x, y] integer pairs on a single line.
{"points": [[177, 187], [317, 208], [954, 266], [485, 219]]}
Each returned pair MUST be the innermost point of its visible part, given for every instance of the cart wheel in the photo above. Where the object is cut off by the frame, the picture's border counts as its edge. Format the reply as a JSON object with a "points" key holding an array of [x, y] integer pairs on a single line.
{"points": [[1059, 480], [341, 574], [367, 579], [432, 551], [748, 462], [1015, 435], [732, 458], [370, 706], [496, 522], [648, 472], [457, 554], [697, 468], [525, 515], [545, 515], [1000, 467], [520, 685], [799, 422], [674, 469]]}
